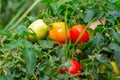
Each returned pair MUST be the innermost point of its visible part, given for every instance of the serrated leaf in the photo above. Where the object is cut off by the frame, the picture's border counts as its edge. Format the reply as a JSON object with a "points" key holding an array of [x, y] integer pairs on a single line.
{"points": [[54, 8], [82, 46], [98, 41], [37, 50], [115, 35], [102, 58], [115, 13], [12, 45], [21, 29], [46, 44], [107, 49], [89, 15], [113, 46], [116, 56], [99, 29], [30, 60]]}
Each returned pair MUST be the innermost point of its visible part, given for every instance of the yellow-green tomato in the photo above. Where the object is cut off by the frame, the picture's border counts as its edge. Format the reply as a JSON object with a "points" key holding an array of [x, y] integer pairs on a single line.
{"points": [[115, 68], [39, 28]]}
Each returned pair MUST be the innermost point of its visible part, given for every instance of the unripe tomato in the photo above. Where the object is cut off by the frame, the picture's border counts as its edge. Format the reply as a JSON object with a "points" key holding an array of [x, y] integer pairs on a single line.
{"points": [[39, 28], [58, 32], [115, 68], [76, 30]]}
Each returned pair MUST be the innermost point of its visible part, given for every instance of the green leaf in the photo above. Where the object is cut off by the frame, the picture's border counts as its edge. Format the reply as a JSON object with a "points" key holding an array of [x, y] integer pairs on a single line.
{"points": [[30, 60], [89, 15], [54, 8], [115, 13], [21, 29], [107, 49], [113, 46], [38, 50], [99, 29], [8, 76], [46, 44], [12, 45], [102, 58], [82, 46], [98, 41], [116, 56], [115, 35]]}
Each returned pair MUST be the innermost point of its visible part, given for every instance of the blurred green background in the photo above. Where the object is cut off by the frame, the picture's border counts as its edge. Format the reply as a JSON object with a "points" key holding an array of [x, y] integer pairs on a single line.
{"points": [[9, 9]]}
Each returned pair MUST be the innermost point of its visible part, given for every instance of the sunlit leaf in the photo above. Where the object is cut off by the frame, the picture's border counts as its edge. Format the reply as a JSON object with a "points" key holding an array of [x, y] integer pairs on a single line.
{"points": [[102, 58]]}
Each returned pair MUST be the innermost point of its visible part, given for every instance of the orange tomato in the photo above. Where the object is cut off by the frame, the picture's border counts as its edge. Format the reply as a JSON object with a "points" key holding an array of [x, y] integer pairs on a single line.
{"points": [[58, 32]]}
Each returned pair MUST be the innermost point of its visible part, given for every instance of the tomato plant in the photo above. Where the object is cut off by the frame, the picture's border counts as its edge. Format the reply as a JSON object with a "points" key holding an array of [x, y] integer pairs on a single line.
{"points": [[95, 57], [77, 30]]}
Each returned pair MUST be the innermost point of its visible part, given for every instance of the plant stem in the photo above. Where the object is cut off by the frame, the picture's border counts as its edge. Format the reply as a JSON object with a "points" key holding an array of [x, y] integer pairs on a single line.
{"points": [[26, 13], [21, 10]]}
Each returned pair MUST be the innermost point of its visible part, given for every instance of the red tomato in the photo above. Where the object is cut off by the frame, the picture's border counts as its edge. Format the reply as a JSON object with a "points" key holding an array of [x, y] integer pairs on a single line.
{"points": [[63, 70], [57, 33], [76, 30], [75, 67]]}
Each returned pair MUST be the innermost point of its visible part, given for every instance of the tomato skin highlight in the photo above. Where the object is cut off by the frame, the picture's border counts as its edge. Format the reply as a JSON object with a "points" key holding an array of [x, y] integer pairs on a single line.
{"points": [[57, 33], [75, 31]]}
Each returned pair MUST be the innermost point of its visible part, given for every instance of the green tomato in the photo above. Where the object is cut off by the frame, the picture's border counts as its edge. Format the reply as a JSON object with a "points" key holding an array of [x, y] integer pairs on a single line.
{"points": [[39, 28]]}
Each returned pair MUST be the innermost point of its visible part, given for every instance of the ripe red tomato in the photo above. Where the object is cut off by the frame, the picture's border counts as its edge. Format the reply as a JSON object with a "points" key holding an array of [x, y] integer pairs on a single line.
{"points": [[75, 67], [57, 33], [63, 70], [75, 31]]}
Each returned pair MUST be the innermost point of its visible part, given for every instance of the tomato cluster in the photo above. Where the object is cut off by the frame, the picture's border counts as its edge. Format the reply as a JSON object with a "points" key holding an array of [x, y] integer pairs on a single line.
{"points": [[59, 32]]}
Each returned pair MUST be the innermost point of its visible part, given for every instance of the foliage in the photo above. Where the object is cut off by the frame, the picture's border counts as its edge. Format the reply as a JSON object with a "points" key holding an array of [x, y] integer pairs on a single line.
{"points": [[40, 60]]}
